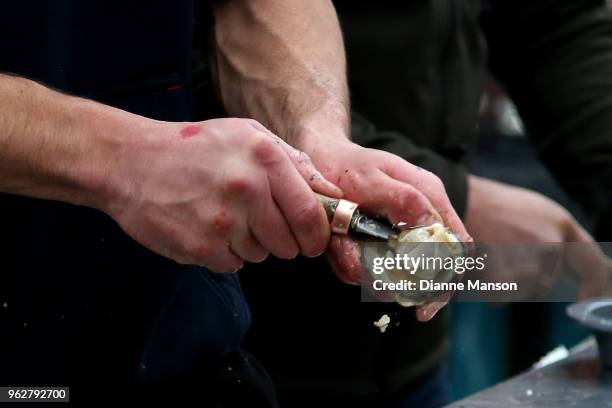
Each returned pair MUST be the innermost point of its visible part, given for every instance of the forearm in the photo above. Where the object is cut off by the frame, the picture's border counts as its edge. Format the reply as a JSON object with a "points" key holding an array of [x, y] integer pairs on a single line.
{"points": [[55, 146], [282, 62]]}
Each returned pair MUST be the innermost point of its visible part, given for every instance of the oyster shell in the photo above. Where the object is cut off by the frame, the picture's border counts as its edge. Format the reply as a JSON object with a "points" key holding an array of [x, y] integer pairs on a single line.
{"points": [[427, 242]]}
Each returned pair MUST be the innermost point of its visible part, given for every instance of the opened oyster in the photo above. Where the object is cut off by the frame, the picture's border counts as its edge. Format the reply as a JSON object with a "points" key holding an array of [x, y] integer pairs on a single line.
{"points": [[419, 254]]}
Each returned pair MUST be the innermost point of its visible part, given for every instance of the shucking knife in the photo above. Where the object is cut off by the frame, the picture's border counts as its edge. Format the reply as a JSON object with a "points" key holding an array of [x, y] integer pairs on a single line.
{"points": [[345, 217]]}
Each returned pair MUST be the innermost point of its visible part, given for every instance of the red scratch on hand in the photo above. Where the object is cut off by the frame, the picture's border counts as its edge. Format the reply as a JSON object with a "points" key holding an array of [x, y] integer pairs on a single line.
{"points": [[190, 131]]}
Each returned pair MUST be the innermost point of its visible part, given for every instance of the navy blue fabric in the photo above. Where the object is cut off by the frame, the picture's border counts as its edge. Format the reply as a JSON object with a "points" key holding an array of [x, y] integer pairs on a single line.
{"points": [[79, 300], [433, 391]]}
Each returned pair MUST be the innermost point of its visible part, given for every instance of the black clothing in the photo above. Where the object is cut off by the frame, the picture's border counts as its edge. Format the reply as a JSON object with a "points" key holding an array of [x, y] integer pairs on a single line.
{"points": [[416, 70], [81, 303]]}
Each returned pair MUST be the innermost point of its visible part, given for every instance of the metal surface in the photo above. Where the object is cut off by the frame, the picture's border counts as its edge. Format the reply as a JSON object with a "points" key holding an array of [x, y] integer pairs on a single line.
{"points": [[577, 381], [364, 225], [596, 314], [344, 216]]}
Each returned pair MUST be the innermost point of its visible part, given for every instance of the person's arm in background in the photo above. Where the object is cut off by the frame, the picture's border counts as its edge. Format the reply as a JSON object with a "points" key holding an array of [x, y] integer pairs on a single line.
{"points": [[528, 217], [207, 193], [558, 70], [282, 62], [397, 85]]}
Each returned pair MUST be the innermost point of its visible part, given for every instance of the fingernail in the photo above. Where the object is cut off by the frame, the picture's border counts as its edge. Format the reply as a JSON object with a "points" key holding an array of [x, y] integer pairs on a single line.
{"points": [[428, 312], [334, 187], [429, 218], [317, 177], [315, 255], [426, 219], [432, 314]]}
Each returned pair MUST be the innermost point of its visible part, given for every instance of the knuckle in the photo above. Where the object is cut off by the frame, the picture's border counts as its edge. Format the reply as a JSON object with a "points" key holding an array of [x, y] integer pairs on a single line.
{"points": [[255, 124], [237, 122], [240, 185], [303, 158], [222, 222], [565, 221], [308, 215], [287, 250], [265, 132], [405, 197], [266, 152], [222, 126], [435, 182]]}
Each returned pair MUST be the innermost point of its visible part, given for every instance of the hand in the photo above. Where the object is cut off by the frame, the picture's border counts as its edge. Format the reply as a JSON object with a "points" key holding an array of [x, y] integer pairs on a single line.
{"points": [[501, 213], [383, 185], [217, 193]]}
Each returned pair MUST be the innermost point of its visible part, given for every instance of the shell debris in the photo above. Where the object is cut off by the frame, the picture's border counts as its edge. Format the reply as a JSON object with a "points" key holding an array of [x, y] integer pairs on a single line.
{"points": [[383, 323]]}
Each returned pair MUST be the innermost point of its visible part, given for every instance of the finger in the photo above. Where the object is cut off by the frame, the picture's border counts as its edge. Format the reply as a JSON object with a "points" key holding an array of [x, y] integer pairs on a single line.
{"points": [[587, 261], [222, 260], [427, 312], [310, 174], [431, 186], [303, 164], [575, 233], [270, 229], [304, 214], [245, 246], [334, 265], [400, 202], [344, 259]]}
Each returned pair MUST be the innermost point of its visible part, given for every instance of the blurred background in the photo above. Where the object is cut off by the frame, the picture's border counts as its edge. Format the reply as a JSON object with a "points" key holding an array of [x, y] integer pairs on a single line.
{"points": [[418, 69], [489, 342]]}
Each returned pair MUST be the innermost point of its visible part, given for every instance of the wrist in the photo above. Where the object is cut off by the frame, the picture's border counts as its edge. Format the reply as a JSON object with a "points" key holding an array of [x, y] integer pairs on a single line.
{"points": [[323, 148], [96, 172], [325, 127]]}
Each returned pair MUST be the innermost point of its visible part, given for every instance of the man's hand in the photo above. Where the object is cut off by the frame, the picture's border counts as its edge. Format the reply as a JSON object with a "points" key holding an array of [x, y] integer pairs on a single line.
{"points": [[384, 186], [282, 62], [215, 193], [219, 192], [500, 213]]}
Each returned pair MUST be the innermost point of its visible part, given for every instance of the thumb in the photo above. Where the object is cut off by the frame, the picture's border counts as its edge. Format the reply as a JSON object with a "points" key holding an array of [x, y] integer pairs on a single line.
{"points": [[427, 311], [303, 164], [587, 261], [309, 172], [344, 258]]}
